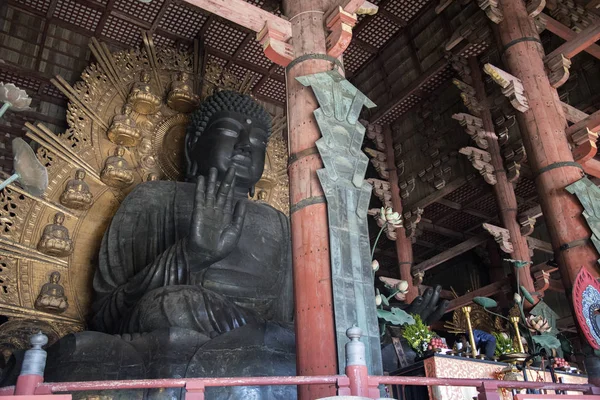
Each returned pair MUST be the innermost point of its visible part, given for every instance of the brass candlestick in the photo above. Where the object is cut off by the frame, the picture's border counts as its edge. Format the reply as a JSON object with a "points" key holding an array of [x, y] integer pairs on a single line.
{"points": [[467, 311], [515, 321]]}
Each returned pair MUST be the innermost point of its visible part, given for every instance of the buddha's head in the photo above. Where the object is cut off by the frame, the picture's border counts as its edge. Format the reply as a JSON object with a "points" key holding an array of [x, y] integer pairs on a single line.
{"points": [[183, 76], [120, 151], [59, 218], [127, 109], [80, 174], [55, 277], [145, 76], [228, 130]]}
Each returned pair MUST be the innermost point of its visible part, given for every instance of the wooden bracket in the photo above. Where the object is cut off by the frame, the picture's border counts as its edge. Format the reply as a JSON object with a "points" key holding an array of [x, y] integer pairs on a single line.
{"points": [[382, 190], [558, 69], [474, 30], [411, 221], [585, 145], [379, 161], [490, 8], [340, 23], [501, 236], [474, 128], [511, 86], [481, 161], [514, 157], [407, 187], [468, 96], [535, 7], [503, 124], [461, 65], [375, 133], [527, 220], [541, 281], [274, 45]]}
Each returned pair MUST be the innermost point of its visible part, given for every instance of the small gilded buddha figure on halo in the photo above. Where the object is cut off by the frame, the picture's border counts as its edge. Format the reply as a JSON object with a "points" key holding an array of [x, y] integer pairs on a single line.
{"points": [[182, 97], [77, 193], [116, 172], [52, 296], [123, 131], [55, 239], [141, 97]]}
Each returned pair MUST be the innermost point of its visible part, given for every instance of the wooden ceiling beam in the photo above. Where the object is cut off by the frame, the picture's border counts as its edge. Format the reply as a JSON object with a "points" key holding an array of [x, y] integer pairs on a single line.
{"points": [[537, 244], [100, 27], [592, 122], [566, 33], [160, 15], [579, 43], [429, 227], [410, 89], [239, 50], [245, 14], [438, 194], [486, 291], [365, 46], [451, 253], [572, 114]]}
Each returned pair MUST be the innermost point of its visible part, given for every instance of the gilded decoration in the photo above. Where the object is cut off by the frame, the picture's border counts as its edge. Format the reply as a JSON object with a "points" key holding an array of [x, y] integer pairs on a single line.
{"points": [[127, 117]]}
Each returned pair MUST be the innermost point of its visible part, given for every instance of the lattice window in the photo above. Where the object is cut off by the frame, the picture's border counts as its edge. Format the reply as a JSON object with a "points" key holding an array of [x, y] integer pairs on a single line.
{"points": [[405, 9], [435, 211], [378, 31], [419, 250], [273, 89], [525, 188], [433, 237], [253, 53], [355, 57], [464, 194], [400, 109], [51, 90], [144, 11], [438, 79], [122, 31], [182, 21], [29, 85], [163, 41], [241, 73], [461, 221], [40, 5], [224, 37], [78, 14]]}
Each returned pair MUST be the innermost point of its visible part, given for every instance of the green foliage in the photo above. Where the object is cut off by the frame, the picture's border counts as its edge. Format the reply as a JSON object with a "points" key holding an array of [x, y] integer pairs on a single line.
{"points": [[504, 345], [547, 341], [395, 316], [485, 302], [417, 334], [527, 295]]}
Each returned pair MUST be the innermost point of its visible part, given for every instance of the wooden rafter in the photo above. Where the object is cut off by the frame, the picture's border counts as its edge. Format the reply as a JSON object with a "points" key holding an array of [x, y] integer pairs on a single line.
{"points": [[486, 291], [566, 33], [579, 43], [592, 122], [451, 253]]}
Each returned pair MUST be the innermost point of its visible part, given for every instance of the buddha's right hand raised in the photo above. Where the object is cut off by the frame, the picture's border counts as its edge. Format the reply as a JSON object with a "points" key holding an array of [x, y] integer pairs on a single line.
{"points": [[215, 228]]}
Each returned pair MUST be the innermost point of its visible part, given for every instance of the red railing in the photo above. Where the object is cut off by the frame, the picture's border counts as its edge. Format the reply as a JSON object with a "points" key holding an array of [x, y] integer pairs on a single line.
{"points": [[195, 387]]}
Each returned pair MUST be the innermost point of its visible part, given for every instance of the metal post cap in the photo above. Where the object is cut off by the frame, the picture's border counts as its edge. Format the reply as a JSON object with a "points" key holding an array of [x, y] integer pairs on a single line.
{"points": [[354, 333], [38, 340]]}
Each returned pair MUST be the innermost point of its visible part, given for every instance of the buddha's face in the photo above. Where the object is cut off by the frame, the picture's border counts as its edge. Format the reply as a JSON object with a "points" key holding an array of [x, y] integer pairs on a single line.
{"points": [[183, 76], [59, 218], [80, 174], [127, 109], [54, 277], [120, 151], [145, 76], [231, 140]]}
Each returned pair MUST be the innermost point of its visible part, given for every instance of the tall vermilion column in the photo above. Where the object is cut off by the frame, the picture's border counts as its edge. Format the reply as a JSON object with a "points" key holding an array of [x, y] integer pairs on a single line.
{"points": [[543, 132], [503, 189], [315, 332], [404, 250]]}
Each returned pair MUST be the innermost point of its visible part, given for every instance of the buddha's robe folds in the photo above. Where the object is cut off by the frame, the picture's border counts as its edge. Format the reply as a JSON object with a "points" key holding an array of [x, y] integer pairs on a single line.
{"points": [[146, 280]]}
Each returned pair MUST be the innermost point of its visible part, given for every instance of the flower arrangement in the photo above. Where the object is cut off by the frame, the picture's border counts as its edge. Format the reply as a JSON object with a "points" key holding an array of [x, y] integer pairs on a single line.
{"points": [[418, 335], [504, 344]]}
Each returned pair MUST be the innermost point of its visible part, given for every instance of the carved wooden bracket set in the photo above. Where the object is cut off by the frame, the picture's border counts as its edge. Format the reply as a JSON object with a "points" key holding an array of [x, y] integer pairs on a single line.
{"points": [[501, 236]]}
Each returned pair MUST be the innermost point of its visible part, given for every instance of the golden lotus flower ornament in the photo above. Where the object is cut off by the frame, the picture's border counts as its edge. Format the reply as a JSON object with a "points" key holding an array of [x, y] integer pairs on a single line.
{"points": [[13, 97]]}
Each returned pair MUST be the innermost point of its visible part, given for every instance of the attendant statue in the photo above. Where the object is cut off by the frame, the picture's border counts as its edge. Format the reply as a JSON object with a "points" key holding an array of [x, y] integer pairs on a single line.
{"points": [[182, 97], [142, 99], [116, 172], [123, 131], [77, 193], [194, 279], [55, 239], [52, 296]]}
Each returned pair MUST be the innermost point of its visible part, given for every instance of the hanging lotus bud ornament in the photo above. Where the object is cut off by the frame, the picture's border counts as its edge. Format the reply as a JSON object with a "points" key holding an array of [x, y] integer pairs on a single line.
{"points": [[13, 97], [375, 265], [537, 323]]}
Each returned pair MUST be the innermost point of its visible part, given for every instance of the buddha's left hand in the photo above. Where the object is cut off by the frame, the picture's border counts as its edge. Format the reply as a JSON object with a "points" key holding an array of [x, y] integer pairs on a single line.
{"points": [[215, 229]]}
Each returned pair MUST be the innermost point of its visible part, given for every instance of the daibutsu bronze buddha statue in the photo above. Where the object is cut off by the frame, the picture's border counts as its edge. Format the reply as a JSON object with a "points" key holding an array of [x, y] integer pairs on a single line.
{"points": [[193, 278]]}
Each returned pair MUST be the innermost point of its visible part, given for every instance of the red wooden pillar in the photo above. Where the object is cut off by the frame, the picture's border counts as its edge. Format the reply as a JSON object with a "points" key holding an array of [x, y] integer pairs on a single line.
{"points": [[315, 334], [503, 189], [543, 132], [403, 244]]}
